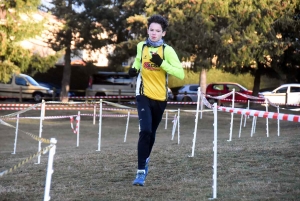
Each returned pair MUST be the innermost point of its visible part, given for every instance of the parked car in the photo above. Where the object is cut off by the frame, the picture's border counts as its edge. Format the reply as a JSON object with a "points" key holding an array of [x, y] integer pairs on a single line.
{"points": [[221, 88], [188, 93], [111, 84], [56, 88], [25, 85], [284, 94]]}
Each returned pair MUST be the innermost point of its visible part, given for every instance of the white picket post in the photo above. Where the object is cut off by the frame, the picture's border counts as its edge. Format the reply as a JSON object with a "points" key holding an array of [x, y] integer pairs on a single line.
{"points": [[240, 131], [196, 125], [278, 123], [166, 122], [215, 150], [247, 116], [78, 127], [94, 116], [100, 126], [267, 119], [252, 128], [16, 134], [41, 129], [231, 121], [174, 127], [178, 124], [50, 171], [126, 130]]}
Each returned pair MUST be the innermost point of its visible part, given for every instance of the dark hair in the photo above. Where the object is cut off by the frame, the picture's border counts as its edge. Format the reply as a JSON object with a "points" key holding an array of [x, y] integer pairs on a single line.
{"points": [[160, 20]]}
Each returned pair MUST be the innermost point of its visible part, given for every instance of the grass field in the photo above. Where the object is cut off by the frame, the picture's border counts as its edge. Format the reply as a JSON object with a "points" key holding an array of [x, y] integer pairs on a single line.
{"points": [[249, 168]]}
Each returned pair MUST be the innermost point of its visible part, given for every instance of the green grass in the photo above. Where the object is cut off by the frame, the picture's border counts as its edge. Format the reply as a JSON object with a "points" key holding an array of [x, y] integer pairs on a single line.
{"points": [[249, 168]]}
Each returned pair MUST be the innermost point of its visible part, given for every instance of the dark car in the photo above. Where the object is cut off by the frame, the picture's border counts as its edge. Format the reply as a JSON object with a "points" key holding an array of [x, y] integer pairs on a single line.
{"points": [[56, 88]]}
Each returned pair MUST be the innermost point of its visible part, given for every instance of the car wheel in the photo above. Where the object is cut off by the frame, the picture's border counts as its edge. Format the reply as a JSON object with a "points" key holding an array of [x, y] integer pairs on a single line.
{"points": [[37, 97], [186, 99]]}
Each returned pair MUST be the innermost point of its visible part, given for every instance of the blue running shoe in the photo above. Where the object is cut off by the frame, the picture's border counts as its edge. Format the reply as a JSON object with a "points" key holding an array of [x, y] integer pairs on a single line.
{"points": [[147, 166], [140, 178]]}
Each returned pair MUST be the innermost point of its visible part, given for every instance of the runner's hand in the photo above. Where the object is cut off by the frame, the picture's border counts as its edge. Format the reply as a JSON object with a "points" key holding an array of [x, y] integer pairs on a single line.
{"points": [[156, 59]]}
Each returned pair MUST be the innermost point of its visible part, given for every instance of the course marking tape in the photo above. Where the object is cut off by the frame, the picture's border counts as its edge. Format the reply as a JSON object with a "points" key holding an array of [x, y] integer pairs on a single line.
{"points": [[257, 113], [43, 151], [47, 141]]}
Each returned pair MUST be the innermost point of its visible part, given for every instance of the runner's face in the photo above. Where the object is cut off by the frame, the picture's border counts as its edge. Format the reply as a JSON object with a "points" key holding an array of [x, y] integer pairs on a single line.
{"points": [[155, 32]]}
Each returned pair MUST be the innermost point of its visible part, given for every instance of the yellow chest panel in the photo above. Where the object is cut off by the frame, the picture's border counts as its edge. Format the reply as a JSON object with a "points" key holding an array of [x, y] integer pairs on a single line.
{"points": [[154, 78]]}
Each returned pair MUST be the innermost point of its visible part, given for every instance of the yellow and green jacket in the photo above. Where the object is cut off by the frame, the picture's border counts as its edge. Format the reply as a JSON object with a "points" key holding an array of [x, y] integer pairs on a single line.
{"points": [[152, 81]]}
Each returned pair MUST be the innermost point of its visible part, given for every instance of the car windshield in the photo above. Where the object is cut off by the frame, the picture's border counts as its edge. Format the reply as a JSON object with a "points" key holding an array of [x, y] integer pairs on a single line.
{"points": [[281, 90], [31, 81], [194, 88]]}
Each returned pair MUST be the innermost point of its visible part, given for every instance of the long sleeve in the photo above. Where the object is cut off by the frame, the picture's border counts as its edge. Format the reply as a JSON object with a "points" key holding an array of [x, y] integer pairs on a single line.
{"points": [[171, 63], [137, 61]]}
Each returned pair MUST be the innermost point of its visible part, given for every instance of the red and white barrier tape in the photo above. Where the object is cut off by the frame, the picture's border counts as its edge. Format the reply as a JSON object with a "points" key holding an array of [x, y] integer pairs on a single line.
{"points": [[250, 97], [244, 101], [75, 131], [220, 97], [270, 115]]}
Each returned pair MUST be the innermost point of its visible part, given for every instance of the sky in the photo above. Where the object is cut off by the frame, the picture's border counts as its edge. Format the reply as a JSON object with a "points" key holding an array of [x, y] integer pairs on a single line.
{"points": [[48, 4]]}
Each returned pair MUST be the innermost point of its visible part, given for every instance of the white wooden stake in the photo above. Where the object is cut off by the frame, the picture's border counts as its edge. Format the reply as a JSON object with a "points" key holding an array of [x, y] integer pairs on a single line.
{"points": [[78, 128], [215, 149], [166, 122], [16, 134], [100, 126], [196, 125], [126, 130], [94, 117], [231, 122], [41, 129], [178, 122], [50, 170], [278, 123]]}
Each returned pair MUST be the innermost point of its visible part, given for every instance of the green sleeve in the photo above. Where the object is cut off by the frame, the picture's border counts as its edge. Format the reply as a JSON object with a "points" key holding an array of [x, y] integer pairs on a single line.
{"points": [[137, 61], [171, 63]]}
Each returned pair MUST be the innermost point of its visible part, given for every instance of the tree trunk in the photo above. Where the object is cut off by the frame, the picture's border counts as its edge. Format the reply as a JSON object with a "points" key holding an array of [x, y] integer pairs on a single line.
{"points": [[65, 84], [202, 80], [256, 86]]}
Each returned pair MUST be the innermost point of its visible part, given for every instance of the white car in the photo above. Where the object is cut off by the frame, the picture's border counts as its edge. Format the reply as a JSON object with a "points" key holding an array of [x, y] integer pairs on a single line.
{"points": [[284, 94], [188, 93], [25, 87]]}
